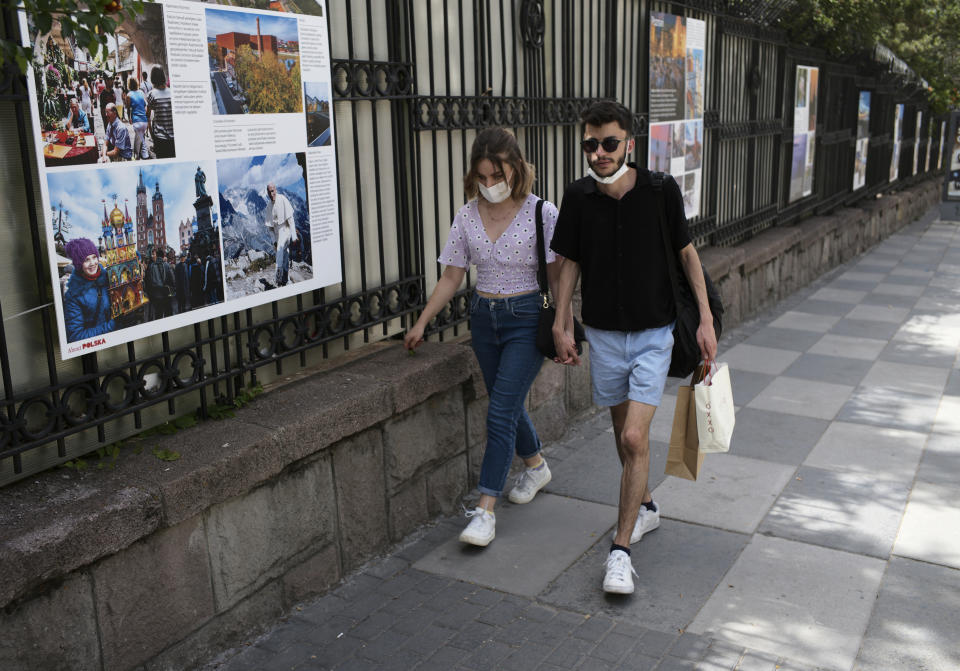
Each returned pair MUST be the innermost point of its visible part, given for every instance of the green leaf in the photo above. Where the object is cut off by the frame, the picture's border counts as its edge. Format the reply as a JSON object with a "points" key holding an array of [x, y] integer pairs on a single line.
{"points": [[185, 422], [166, 455]]}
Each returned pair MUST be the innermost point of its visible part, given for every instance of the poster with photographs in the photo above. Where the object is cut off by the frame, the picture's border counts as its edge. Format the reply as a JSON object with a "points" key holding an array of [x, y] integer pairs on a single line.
{"points": [[943, 141], [916, 142], [953, 159], [187, 169], [804, 132], [862, 142], [897, 141], [677, 47]]}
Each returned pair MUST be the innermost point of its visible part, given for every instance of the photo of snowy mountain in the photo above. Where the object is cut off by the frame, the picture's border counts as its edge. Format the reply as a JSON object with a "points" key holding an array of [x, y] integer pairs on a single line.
{"points": [[257, 230]]}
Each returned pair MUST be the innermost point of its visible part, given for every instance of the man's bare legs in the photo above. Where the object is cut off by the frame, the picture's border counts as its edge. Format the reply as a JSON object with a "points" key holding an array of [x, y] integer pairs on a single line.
{"points": [[631, 429]]}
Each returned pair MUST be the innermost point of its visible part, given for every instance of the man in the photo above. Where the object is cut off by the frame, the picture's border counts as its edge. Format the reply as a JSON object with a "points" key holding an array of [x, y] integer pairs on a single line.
{"points": [[145, 83], [118, 146], [106, 97], [211, 280], [608, 229], [281, 224], [196, 283], [78, 119], [182, 273], [160, 286]]}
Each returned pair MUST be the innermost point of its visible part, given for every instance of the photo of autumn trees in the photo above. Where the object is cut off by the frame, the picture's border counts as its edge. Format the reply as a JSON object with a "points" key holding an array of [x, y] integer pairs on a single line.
{"points": [[254, 63]]}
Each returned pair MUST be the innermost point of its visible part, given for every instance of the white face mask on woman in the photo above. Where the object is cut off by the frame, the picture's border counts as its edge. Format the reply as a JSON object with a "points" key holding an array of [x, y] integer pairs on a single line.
{"points": [[497, 193]]}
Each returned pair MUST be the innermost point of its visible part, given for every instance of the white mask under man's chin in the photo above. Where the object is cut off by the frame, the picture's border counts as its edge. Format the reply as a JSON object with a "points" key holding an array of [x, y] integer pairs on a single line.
{"points": [[612, 178], [497, 193]]}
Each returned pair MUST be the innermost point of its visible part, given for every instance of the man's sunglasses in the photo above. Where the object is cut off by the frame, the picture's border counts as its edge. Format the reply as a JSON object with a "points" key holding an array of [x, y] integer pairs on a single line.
{"points": [[609, 144]]}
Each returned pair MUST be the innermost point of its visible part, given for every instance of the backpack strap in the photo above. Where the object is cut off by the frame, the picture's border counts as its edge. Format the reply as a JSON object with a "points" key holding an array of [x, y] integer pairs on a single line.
{"points": [[656, 181], [541, 256]]}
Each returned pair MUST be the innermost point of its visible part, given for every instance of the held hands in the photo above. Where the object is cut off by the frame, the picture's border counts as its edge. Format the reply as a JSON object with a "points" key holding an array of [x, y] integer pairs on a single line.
{"points": [[566, 347]]}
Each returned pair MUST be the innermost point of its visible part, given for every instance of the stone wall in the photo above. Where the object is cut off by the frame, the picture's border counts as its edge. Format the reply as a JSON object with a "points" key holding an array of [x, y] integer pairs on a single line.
{"points": [[160, 565]]}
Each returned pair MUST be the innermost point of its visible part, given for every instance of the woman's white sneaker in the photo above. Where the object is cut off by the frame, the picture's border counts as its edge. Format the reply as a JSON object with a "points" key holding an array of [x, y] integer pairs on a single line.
{"points": [[482, 527], [531, 481], [619, 575]]}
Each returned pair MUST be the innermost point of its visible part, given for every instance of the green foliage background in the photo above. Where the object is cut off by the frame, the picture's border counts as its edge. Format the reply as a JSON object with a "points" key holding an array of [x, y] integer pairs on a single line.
{"points": [[923, 33], [89, 22]]}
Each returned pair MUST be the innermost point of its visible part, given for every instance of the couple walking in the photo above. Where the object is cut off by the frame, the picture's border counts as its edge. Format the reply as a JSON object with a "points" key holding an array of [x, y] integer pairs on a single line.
{"points": [[607, 230]]}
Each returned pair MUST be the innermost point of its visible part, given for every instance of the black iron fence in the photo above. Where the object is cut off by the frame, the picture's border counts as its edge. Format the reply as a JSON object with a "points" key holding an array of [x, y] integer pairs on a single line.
{"points": [[413, 81]]}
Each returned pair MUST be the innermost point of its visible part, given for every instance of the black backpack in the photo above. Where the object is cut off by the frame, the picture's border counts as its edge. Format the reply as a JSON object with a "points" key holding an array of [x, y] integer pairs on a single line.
{"points": [[686, 351]]}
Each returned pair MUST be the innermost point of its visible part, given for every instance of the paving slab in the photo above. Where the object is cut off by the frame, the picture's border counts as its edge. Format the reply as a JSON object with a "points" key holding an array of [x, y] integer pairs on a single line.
{"points": [[889, 301], [666, 598], [918, 353], [838, 295], [746, 385], [907, 632], [775, 436], [759, 359], [902, 271], [551, 532], [823, 308], [808, 398], [898, 289], [874, 260], [899, 278], [856, 512], [806, 603], [930, 524], [947, 420], [941, 460], [832, 369], [849, 347], [732, 492], [783, 338], [925, 380], [879, 313], [862, 448], [593, 472], [890, 406], [864, 328], [805, 321], [860, 276], [853, 285]]}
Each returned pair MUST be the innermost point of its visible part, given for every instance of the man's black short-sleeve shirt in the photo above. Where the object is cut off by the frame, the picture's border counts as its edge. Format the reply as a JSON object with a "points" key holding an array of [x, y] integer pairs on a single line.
{"points": [[625, 280]]}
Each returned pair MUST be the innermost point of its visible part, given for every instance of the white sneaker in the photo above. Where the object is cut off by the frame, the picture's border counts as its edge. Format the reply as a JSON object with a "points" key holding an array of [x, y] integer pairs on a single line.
{"points": [[481, 529], [618, 579], [531, 481], [647, 520]]}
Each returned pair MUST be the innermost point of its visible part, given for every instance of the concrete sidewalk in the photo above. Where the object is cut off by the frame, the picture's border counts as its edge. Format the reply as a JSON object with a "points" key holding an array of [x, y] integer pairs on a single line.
{"points": [[828, 538]]}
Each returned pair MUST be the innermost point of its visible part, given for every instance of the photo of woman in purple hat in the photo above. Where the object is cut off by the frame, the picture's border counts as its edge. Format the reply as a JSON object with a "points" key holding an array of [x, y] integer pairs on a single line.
{"points": [[86, 303]]}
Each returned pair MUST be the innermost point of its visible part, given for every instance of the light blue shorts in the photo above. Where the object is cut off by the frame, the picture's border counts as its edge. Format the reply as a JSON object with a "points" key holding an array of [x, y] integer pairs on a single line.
{"points": [[629, 365]]}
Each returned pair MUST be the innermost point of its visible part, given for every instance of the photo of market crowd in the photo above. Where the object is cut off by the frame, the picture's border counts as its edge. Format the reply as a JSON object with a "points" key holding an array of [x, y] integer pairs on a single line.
{"points": [[110, 106], [117, 269]]}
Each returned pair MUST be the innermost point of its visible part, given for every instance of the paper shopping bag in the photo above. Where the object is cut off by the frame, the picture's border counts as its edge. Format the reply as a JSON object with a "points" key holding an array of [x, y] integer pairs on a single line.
{"points": [[684, 458], [715, 412]]}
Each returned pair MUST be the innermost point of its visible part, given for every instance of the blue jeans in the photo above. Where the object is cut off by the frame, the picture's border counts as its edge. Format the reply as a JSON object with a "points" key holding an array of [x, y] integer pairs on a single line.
{"points": [[504, 332]]}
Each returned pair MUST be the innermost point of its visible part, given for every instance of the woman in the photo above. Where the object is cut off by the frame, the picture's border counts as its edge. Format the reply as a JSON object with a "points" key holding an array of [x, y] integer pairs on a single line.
{"points": [[86, 102], [160, 114], [137, 108], [118, 97], [86, 304], [496, 231]]}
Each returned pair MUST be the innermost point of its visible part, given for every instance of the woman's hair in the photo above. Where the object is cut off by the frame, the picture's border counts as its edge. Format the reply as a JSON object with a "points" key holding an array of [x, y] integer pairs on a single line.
{"points": [[499, 146], [132, 83], [158, 77]]}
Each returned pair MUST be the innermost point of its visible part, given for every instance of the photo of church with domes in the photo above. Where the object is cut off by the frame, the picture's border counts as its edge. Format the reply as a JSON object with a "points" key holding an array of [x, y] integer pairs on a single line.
{"points": [[157, 241]]}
